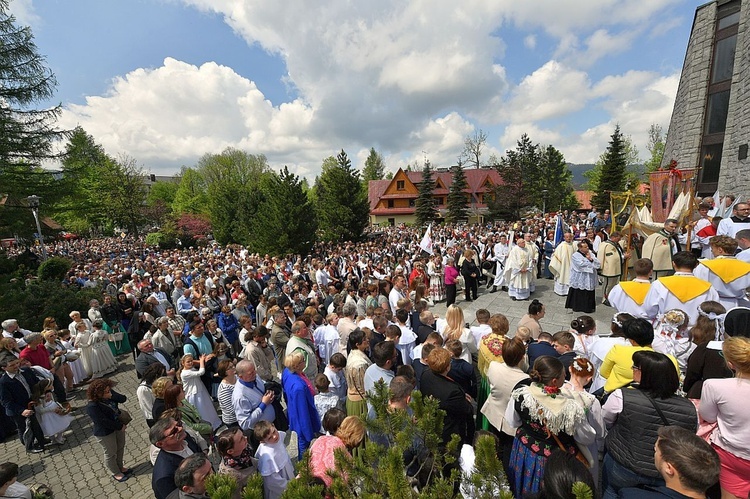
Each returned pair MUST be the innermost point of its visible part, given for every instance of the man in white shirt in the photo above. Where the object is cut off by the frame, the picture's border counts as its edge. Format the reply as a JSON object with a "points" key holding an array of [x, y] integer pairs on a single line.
{"points": [[399, 285], [743, 240], [740, 220]]}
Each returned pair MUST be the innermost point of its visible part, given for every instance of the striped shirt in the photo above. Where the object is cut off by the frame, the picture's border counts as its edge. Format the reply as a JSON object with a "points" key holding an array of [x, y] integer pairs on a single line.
{"points": [[224, 395]]}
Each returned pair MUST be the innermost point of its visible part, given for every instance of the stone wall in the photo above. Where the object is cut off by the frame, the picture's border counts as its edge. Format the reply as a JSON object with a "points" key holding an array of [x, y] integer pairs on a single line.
{"points": [[686, 126], [734, 176]]}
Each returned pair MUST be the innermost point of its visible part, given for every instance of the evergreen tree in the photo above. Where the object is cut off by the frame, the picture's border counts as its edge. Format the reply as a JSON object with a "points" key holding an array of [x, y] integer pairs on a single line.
{"points": [[555, 178], [284, 224], [340, 201], [374, 167], [426, 205], [457, 201], [26, 133], [614, 171], [520, 171]]}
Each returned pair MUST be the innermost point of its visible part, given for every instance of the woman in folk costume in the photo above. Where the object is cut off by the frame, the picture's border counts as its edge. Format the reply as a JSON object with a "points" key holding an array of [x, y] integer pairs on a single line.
{"points": [[435, 271], [518, 269], [547, 417]]}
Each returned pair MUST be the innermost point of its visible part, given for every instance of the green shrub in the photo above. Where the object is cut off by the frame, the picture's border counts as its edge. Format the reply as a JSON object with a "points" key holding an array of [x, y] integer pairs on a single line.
{"points": [[154, 239], [55, 269], [31, 304]]}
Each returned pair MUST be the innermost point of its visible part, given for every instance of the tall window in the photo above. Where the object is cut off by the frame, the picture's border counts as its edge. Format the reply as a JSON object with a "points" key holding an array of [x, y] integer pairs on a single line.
{"points": [[717, 101]]}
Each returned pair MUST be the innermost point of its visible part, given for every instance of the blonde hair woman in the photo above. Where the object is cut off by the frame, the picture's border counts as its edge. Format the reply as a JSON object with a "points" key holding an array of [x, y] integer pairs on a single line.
{"points": [[456, 329], [724, 401]]}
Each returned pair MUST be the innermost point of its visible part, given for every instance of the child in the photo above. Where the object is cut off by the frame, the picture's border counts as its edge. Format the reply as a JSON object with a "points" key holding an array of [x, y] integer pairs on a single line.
{"points": [[74, 355], [407, 339], [53, 419], [101, 354], [671, 337], [195, 390], [483, 329], [393, 333], [274, 463], [324, 400], [584, 332], [563, 342], [335, 373], [461, 371]]}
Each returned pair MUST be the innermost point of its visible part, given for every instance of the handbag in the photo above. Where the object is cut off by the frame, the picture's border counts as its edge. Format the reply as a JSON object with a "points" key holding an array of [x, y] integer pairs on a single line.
{"points": [[460, 282], [116, 337], [125, 417], [72, 356]]}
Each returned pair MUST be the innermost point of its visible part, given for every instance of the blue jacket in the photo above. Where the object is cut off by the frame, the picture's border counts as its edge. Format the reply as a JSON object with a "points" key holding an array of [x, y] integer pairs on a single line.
{"points": [[106, 416], [539, 348], [302, 414]]}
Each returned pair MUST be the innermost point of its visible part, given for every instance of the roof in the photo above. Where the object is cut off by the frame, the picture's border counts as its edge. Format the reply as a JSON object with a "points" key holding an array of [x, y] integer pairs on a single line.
{"points": [[584, 198], [475, 178], [375, 190]]}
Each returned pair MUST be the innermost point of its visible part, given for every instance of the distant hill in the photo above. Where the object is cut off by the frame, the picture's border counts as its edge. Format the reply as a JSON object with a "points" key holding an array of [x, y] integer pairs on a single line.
{"points": [[578, 169]]}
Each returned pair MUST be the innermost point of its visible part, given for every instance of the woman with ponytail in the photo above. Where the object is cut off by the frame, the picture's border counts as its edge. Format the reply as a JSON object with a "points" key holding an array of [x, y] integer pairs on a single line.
{"points": [[725, 402], [547, 417], [356, 365]]}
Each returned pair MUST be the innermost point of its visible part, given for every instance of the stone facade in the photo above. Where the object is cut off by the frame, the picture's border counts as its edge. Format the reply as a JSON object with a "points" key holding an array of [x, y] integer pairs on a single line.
{"points": [[686, 126], [685, 134], [735, 173]]}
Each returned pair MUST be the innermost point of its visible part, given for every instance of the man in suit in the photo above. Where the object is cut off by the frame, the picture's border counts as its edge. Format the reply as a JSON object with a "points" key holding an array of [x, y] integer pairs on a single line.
{"points": [[150, 355], [174, 445], [15, 394]]}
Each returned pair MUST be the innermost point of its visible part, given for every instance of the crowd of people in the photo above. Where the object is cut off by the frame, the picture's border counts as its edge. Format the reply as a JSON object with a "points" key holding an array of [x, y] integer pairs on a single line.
{"points": [[266, 358]]}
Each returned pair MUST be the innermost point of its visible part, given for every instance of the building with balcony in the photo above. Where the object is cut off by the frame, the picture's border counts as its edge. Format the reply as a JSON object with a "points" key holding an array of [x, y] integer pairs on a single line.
{"points": [[394, 201]]}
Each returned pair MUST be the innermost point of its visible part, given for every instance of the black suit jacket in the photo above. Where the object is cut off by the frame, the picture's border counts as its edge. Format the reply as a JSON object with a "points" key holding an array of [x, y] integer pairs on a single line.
{"points": [[13, 395], [463, 373], [539, 348], [162, 478], [146, 359], [459, 412]]}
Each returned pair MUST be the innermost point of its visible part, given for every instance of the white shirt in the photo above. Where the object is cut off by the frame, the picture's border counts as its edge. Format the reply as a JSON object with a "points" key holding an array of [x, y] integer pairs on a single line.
{"points": [[624, 303], [660, 300]]}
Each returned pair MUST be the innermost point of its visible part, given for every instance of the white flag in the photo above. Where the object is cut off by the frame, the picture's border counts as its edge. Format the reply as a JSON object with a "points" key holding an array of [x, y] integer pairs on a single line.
{"points": [[426, 243]]}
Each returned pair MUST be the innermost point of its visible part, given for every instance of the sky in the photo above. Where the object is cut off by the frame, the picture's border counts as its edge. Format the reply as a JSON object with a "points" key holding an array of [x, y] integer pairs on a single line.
{"points": [[167, 81]]}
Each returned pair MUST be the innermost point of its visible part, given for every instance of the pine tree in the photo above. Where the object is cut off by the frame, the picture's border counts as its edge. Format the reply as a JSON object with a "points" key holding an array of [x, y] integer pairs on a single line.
{"points": [[285, 225], [555, 178], [521, 175], [426, 205], [340, 202], [457, 201], [614, 171], [26, 134], [374, 167]]}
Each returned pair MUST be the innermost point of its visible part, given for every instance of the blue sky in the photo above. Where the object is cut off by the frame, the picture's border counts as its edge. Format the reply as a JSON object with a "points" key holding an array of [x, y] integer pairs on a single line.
{"points": [[166, 81]]}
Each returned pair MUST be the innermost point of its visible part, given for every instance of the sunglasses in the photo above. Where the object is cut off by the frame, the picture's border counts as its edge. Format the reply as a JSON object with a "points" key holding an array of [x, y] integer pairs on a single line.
{"points": [[177, 428]]}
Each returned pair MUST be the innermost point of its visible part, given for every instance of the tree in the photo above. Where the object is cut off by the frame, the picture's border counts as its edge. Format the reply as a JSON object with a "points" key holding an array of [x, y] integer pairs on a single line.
{"points": [[82, 204], [426, 205], [124, 193], [163, 192], [374, 167], [613, 176], [190, 196], [520, 171], [458, 203], [634, 169], [232, 182], [555, 179], [473, 148], [26, 134], [340, 202], [655, 147], [284, 224]]}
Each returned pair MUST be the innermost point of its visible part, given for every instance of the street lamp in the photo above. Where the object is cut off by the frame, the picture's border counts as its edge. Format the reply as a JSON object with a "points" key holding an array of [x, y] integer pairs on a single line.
{"points": [[34, 205], [544, 201]]}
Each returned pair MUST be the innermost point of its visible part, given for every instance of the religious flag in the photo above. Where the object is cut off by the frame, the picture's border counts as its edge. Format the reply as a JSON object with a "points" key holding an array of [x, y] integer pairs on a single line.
{"points": [[559, 231], [426, 243]]}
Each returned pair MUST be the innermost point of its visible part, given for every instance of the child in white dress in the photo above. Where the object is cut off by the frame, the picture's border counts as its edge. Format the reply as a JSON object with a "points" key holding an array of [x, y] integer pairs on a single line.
{"points": [[195, 390], [102, 360], [53, 418], [274, 463], [74, 358], [82, 342]]}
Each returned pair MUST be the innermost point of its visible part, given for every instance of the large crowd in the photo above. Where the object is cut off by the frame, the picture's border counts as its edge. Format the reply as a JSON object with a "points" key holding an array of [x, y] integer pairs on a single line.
{"points": [[264, 358]]}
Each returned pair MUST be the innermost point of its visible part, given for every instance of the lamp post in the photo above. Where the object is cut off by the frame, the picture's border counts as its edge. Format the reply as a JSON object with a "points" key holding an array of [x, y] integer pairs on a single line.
{"points": [[544, 201], [34, 205]]}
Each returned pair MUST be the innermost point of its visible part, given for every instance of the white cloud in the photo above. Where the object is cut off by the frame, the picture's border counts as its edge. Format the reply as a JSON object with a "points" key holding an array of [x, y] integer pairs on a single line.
{"points": [[24, 12], [551, 91], [529, 41]]}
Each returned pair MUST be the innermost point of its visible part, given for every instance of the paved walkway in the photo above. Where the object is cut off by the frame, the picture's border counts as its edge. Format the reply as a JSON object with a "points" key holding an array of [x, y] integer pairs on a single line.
{"points": [[76, 470]]}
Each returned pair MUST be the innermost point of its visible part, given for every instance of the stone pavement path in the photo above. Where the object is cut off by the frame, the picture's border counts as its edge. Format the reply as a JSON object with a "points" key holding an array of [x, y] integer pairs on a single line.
{"points": [[76, 469]]}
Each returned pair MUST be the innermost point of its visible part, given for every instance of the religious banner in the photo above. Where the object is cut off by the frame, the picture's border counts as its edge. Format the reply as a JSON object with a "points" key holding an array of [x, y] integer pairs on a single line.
{"points": [[666, 187]]}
